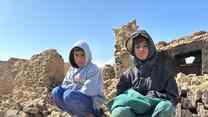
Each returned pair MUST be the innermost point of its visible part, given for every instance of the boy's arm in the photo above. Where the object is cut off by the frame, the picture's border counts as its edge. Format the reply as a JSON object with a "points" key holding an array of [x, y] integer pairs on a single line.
{"points": [[123, 84], [94, 84], [170, 93], [67, 79]]}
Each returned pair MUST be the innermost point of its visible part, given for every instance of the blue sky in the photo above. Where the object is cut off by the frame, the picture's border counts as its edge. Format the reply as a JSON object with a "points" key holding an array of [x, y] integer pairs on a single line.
{"points": [[28, 27]]}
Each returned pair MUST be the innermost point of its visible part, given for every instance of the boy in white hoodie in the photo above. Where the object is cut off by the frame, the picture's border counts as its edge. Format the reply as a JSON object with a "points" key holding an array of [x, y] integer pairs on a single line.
{"points": [[82, 89]]}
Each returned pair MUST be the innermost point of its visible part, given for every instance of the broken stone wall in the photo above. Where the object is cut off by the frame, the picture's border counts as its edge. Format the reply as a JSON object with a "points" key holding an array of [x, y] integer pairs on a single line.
{"points": [[205, 57], [122, 58], [38, 74], [108, 74], [195, 43], [7, 76], [32, 83]]}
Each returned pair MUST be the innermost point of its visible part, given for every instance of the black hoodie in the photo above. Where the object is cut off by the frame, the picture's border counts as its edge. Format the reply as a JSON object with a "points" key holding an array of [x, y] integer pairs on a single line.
{"points": [[153, 77]]}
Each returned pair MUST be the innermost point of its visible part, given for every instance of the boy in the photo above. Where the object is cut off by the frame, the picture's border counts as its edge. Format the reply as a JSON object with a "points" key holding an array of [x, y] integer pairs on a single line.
{"points": [[81, 92], [148, 89]]}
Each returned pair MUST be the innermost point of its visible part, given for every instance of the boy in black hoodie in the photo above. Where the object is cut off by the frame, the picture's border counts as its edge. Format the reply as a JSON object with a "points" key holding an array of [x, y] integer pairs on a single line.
{"points": [[149, 88]]}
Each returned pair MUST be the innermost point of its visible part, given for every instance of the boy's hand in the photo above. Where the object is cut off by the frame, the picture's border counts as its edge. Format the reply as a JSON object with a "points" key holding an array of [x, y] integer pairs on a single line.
{"points": [[77, 78]]}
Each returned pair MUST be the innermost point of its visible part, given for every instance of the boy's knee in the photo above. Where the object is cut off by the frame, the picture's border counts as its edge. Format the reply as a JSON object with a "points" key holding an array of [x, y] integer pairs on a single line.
{"points": [[67, 95], [167, 105], [56, 91], [70, 96], [123, 112], [165, 109], [74, 95]]}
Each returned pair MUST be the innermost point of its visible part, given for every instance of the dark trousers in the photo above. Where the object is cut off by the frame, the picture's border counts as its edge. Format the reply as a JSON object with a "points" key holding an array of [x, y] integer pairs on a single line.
{"points": [[73, 102]]}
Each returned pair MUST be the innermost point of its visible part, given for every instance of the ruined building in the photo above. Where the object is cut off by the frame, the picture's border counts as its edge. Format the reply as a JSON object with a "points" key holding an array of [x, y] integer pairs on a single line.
{"points": [[122, 58], [191, 57], [190, 52]]}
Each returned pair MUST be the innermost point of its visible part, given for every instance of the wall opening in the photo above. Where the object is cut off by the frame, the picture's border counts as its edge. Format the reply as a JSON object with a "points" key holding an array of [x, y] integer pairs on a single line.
{"points": [[189, 63]]}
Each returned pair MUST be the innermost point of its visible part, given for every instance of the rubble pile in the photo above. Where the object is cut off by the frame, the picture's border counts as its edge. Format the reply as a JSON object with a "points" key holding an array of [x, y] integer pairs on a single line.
{"points": [[193, 95]]}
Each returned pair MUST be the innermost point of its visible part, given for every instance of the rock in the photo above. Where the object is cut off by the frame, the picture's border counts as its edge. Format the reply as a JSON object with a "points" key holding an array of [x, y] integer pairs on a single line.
{"points": [[186, 103], [22, 114], [12, 113], [205, 98], [186, 113], [57, 114], [196, 97], [2, 113], [31, 110], [108, 72], [178, 110]]}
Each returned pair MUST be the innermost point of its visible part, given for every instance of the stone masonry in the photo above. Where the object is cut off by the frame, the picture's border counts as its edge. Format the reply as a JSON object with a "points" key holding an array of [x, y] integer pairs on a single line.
{"points": [[31, 83], [193, 95], [193, 45], [122, 57]]}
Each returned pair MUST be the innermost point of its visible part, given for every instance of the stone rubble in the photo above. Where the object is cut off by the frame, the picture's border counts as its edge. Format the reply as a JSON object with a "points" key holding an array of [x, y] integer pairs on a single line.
{"points": [[193, 95]]}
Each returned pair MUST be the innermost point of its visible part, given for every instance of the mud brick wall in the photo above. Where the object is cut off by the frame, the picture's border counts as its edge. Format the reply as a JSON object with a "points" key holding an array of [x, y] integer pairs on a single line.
{"points": [[122, 58]]}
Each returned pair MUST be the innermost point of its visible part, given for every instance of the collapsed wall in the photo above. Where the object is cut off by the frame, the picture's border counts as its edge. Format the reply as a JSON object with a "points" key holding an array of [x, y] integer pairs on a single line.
{"points": [[123, 59], [32, 81], [34, 76], [7, 76]]}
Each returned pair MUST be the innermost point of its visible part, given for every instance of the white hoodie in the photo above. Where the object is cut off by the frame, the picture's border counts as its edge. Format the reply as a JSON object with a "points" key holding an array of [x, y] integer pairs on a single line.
{"points": [[91, 82]]}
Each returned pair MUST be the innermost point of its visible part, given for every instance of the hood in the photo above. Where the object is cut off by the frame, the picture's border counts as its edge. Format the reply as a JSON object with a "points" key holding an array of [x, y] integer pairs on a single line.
{"points": [[87, 51], [137, 35]]}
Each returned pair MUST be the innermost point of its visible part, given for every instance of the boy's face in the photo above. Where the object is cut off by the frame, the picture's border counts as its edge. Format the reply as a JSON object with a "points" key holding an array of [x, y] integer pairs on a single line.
{"points": [[79, 58], [141, 50]]}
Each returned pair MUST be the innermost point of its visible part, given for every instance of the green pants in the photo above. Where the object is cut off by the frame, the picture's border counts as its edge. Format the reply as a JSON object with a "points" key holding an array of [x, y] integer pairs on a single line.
{"points": [[133, 104]]}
